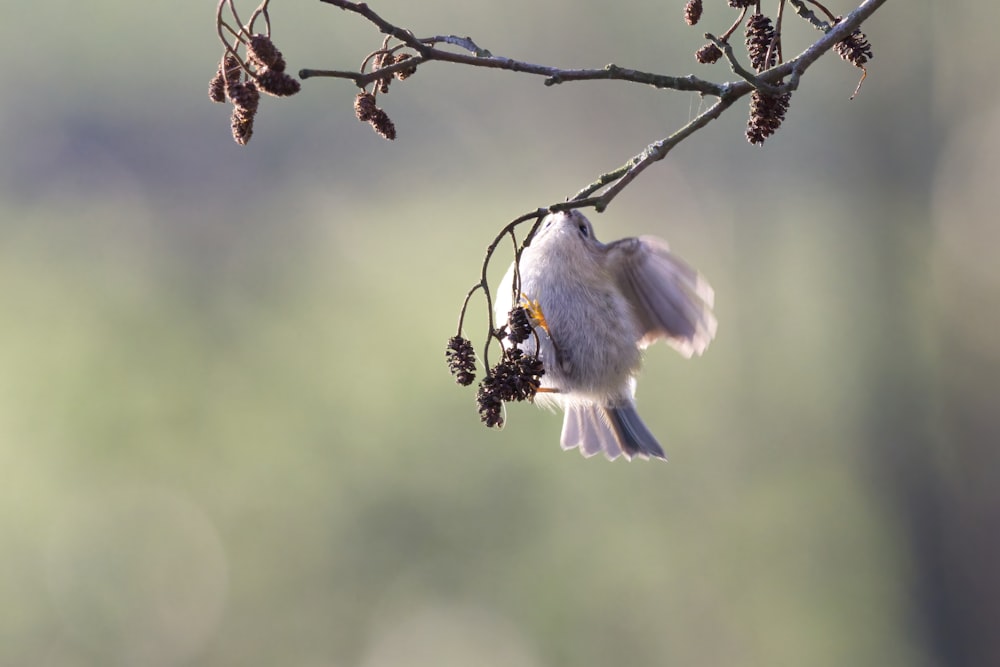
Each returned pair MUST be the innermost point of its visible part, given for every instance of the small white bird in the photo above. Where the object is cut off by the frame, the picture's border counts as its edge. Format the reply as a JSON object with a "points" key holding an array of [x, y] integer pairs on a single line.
{"points": [[598, 306]]}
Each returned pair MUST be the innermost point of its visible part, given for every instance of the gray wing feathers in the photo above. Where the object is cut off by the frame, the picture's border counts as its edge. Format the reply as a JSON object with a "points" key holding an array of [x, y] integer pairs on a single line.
{"points": [[670, 298]]}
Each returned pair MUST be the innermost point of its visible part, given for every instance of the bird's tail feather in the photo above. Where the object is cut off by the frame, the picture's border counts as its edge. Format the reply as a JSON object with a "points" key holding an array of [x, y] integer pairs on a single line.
{"points": [[614, 430]]}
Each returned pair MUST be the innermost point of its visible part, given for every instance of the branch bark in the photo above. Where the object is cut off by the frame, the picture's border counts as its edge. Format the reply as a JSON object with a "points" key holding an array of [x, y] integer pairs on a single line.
{"points": [[602, 191]]}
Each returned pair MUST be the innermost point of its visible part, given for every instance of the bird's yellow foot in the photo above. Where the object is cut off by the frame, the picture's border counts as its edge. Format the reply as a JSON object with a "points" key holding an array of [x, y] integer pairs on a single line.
{"points": [[535, 313]]}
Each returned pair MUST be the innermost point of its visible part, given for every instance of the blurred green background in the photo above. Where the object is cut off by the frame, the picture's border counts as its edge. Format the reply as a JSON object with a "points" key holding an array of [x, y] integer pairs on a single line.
{"points": [[228, 437]]}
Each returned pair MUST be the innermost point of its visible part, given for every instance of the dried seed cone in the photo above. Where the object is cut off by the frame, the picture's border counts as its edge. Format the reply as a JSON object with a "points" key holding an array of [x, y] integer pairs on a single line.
{"points": [[741, 4], [366, 110], [364, 106], [489, 402], [227, 72], [766, 114], [242, 125], [217, 87], [692, 12], [529, 371], [382, 60], [518, 325], [854, 48], [231, 70], [244, 95], [759, 35], [406, 72], [277, 83], [708, 54], [461, 360], [264, 53], [382, 124], [517, 377]]}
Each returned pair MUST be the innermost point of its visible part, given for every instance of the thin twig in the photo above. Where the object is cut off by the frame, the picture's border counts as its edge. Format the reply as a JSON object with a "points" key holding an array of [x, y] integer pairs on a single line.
{"points": [[601, 192], [553, 75], [616, 180], [738, 69], [836, 34], [484, 280], [774, 48], [461, 42], [809, 15], [362, 79], [480, 57], [659, 150], [736, 24], [260, 11], [484, 58], [824, 10], [236, 16]]}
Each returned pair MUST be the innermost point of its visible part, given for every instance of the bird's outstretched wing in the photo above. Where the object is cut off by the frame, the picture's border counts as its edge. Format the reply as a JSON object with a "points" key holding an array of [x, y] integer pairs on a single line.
{"points": [[670, 298]]}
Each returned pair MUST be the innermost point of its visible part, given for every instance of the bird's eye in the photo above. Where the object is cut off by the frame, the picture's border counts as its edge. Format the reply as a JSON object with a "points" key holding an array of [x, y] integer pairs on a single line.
{"points": [[584, 232]]}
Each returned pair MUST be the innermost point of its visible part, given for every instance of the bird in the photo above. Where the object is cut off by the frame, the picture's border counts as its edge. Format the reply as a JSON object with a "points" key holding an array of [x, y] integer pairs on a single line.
{"points": [[595, 307]]}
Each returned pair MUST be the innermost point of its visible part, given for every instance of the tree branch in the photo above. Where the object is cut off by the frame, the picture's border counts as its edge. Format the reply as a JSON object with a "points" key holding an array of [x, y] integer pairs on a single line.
{"points": [[479, 57], [617, 179], [606, 187], [777, 82], [622, 176], [770, 92]]}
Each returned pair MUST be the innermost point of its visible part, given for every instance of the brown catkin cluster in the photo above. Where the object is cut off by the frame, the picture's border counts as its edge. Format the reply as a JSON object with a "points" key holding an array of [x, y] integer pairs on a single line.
{"points": [[367, 111], [518, 325], [277, 83], [516, 378], [461, 360], [763, 44], [245, 98], [692, 12], [406, 72], [242, 82], [490, 404], [766, 111], [263, 53], [383, 125], [759, 36], [270, 64], [708, 54], [241, 124], [386, 59], [228, 72], [365, 107], [854, 48], [383, 59], [217, 89], [766, 114]]}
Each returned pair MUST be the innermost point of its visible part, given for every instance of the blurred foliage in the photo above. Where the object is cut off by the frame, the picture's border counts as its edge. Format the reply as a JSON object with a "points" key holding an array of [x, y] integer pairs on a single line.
{"points": [[227, 432]]}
